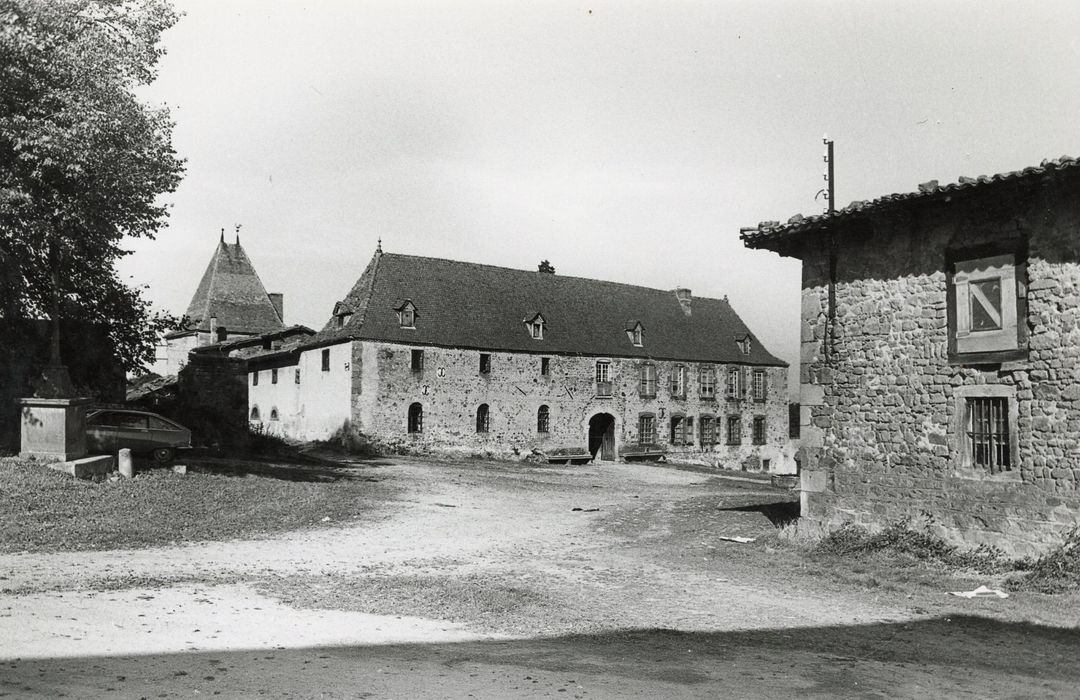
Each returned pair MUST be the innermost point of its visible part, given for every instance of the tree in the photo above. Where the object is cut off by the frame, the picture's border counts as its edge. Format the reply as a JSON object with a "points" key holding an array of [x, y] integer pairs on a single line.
{"points": [[83, 162], [545, 267]]}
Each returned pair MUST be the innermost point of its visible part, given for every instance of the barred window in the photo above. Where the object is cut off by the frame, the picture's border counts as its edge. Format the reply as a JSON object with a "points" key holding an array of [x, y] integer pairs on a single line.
{"points": [[542, 417], [759, 430], [708, 431], [646, 429], [988, 433], [734, 430]]}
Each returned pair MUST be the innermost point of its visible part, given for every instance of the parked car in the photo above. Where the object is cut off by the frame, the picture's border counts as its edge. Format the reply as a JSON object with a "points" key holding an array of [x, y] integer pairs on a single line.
{"points": [[109, 430]]}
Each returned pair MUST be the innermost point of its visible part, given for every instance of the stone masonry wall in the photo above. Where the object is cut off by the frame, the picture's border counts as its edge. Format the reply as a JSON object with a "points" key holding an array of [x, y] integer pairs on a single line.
{"points": [[881, 405], [450, 388]]}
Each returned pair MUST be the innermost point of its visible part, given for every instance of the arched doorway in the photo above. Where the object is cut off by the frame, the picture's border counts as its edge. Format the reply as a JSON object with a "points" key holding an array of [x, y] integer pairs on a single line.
{"points": [[602, 436]]}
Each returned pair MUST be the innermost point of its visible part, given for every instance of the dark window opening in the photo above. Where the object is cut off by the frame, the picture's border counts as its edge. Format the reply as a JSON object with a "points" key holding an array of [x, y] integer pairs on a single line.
{"points": [[545, 366], [416, 418], [296, 375], [255, 413], [794, 421], [485, 363], [678, 430], [483, 419], [417, 363], [255, 378], [273, 376], [273, 413], [542, 417], [326, 360]]}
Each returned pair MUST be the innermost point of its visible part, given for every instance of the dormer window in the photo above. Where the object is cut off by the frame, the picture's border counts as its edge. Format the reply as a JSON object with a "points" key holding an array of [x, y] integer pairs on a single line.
{"points": [[342, 314], [536, 327], [636, 333], [343, 320], [744, 344], [407, 315]]}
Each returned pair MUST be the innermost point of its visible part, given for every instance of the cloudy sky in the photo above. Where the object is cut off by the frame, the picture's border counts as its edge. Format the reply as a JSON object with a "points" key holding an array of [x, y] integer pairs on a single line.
{"points": [[622, 140]]}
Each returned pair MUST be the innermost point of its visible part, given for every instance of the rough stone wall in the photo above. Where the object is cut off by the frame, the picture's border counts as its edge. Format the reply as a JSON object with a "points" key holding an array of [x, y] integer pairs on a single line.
{"points": [[450, 388], [883, 436]]}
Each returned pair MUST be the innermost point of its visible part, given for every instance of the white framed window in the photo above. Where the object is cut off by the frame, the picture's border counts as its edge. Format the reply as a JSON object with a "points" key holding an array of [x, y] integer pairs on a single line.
{"points": [[706, 382], [734, 383], [985, 304], [407, 315], [647, 381], [757, 386], [603, 378], [536, 327], [678, 381]]}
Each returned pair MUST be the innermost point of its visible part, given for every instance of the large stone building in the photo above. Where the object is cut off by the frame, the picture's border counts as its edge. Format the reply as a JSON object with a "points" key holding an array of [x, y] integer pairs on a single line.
{"points": [[940, 371], [446, 355], [230, 302]]}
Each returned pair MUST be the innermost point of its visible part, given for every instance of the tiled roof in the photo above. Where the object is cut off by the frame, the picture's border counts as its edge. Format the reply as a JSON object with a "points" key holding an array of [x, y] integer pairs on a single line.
{"points": [[232, 291], [468, 305], [767, 233]]}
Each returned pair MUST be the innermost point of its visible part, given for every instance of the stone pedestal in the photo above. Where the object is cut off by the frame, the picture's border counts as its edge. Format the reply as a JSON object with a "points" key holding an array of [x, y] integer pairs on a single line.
{"points": [[53, 429]]}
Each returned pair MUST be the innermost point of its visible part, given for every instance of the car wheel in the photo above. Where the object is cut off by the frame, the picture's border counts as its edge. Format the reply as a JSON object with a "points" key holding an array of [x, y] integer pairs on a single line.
{"points": [[164, 455]]}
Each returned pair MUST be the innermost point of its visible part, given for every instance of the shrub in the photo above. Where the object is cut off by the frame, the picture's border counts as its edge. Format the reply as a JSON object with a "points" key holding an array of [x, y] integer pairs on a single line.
{"points": [[1057, 571]]}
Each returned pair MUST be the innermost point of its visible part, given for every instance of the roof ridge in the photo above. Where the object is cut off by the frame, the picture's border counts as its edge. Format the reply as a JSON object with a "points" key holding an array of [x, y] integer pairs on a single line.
{"points": [[557, 276]]}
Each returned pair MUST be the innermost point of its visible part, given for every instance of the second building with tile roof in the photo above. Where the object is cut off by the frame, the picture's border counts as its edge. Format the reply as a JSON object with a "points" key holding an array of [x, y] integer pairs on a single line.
{"points": [[432, 354]]}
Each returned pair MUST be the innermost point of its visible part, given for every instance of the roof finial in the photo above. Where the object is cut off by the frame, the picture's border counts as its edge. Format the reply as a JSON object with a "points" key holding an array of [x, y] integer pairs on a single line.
{"points": [[378, 248], [238, 234], [222, 234]]}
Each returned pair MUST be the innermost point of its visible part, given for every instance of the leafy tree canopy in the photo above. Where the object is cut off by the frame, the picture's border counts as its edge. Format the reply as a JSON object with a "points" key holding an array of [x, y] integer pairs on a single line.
{"points": [[83, 161]]}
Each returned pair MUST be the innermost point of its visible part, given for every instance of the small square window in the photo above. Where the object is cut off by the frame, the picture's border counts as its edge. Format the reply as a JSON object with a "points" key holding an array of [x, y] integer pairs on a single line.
{"points": [[417, 362], [297, 375], [545, 366], [326, 360], [485, 363], [989, 443]]}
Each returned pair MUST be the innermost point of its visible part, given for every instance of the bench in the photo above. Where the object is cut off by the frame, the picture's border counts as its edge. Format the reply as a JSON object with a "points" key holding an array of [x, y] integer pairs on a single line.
{"points": [[643, 452], [568, 455]]}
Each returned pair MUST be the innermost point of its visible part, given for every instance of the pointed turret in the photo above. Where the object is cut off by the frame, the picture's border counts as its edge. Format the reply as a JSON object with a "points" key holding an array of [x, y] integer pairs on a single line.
{"points": [[232, 293]]}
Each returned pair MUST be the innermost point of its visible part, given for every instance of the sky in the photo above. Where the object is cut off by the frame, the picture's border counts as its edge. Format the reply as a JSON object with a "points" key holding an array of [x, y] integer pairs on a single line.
{"points": [[626, 141]]}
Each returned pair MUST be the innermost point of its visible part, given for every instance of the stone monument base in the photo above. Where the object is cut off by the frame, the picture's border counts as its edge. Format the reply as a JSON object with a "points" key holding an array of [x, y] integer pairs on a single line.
{"points": [[54, 429]]}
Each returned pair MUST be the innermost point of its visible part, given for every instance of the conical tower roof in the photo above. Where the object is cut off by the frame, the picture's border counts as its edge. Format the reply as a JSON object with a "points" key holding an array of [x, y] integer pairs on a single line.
{"points": [[232, 292]]}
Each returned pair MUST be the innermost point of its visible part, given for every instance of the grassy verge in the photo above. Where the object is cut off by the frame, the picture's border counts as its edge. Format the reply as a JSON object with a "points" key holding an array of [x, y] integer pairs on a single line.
{"points": [[44, 510]]}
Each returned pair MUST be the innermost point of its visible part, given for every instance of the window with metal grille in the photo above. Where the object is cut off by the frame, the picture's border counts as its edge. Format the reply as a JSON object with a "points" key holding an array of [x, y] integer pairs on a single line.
{"points": [[483, 419], [708, 431], [707, 382], [758, 384], [542, 417], [734, 430], [646, 429], [988, 433], [485, 363], [759, 430], [416, 418], [647, 383]]}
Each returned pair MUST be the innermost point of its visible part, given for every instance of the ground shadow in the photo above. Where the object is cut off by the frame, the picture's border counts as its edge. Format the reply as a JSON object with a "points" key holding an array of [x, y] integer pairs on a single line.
{"points": [[940, 657], [307, 470], [779, 513]]}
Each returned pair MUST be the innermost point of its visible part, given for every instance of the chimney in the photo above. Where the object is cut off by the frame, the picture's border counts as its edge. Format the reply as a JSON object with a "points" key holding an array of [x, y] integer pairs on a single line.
{"points": [[683, 295], [213, 328], [278, 300]]}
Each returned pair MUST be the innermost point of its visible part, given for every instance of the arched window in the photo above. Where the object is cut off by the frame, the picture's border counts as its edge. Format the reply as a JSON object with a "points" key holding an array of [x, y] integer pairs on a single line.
{"points": [[273, 413], [255, 413], [416, 418], [483, 419], [542, 415]]}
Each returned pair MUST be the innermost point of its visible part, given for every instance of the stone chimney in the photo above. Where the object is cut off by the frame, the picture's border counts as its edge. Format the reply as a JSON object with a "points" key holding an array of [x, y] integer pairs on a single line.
{"points": [[684, 297], [278, 300]]}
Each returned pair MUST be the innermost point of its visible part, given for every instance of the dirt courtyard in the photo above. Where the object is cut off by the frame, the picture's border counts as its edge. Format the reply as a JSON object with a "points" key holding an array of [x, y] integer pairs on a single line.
{"points": [[496, 580]]}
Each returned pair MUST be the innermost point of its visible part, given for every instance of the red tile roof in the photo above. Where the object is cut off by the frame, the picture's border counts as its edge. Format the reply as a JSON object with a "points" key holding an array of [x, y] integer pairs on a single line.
{"points": [[468, 305], [768, 233], [232, 292]]}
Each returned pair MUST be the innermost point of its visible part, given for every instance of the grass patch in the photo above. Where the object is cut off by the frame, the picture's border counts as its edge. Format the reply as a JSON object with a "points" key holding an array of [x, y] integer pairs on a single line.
{"points": [[482, 600], [1057, 571], [902, 544], [44, 510]]}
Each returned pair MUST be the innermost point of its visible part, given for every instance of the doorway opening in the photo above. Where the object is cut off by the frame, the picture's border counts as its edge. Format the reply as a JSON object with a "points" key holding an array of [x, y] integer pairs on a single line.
{"points": [[602, 437]]}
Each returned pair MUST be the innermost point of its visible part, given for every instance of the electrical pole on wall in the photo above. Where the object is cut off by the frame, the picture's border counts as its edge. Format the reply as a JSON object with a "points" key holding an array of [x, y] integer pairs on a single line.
{"points": [[830, 192]]}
